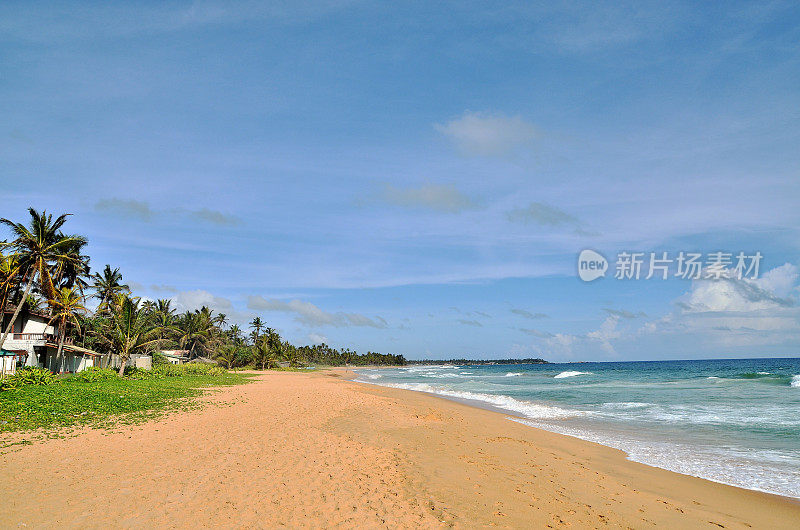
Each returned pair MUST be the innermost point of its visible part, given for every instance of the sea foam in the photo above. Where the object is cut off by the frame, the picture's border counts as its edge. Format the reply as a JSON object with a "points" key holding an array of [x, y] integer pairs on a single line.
{"points": [[527, 409], [795, 381], [570, 374]]}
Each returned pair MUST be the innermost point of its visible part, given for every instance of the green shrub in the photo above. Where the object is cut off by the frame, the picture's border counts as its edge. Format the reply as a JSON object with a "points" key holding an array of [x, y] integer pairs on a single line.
{"points": [[29, 376], [159, 359], [137, 374], [178, 370], [93, 374]]}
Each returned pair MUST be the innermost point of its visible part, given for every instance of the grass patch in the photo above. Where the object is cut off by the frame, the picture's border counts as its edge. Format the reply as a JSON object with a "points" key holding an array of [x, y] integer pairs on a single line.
{"points": [[103, 403]]}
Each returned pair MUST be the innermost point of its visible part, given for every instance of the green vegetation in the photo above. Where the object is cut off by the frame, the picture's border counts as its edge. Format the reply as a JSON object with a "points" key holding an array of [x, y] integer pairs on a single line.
{"points": [[100, 398], [527, 360], [43, 270]]}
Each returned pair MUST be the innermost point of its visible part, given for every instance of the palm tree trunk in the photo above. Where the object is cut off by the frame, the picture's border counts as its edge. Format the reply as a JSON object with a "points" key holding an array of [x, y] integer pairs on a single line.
{"points": [[123, 359], [62, 336], [16, 312]]}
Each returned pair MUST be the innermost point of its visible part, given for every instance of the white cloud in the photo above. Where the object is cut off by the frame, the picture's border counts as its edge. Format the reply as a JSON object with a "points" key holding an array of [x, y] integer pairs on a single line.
{"points": [[310, 315], [486, 134], [607, 332], [316, 338], [771, 291], [191, 300]]}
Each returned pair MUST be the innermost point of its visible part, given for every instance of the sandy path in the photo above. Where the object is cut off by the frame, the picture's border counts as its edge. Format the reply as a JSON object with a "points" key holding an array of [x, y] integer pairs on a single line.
{"points": [[311, 450]]}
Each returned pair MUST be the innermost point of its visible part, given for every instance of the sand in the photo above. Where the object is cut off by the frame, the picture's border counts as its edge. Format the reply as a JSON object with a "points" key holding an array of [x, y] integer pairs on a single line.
{"points": [[315, 450]]}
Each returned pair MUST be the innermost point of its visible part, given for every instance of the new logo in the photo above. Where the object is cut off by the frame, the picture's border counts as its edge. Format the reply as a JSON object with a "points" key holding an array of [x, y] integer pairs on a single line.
{"points": [[591, 265]]}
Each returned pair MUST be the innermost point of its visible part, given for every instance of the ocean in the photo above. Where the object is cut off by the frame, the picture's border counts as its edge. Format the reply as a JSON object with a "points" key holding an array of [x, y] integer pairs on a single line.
{"points": [[732, 421]]}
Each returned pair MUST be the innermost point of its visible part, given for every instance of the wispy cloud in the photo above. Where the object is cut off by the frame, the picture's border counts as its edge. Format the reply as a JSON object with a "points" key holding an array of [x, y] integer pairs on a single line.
{"points": [[527, 314], [126, 207], [469, 322], [623, 313], [536, 333], [543, 214], [476, 133], [143, 211], [435, 197], [214, 217], [163, 288], [310, 315]]}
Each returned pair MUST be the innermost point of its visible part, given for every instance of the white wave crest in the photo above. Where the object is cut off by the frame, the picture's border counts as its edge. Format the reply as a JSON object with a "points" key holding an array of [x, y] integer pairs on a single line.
{"points": [[795, 381], [570, 374], [525, 408], [373, 376], [513, 374]]}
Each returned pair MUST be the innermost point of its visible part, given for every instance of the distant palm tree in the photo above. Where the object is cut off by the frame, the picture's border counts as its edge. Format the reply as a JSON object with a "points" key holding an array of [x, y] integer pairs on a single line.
{"points": [[164, 305], [67, 307], [256, 325], [235, 333], [196, 331], [264, 356], [164, 319], [127, 330], [221, 320], [39, 247], [107, 285], [227, 355]]}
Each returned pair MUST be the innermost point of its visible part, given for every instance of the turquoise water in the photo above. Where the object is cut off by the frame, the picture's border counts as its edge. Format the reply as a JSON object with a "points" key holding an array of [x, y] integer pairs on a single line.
{"points": [[732, 421]]}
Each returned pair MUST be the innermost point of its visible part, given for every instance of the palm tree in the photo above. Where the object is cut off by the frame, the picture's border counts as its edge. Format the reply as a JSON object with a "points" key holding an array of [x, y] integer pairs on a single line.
{"points": [[164, 319], [221, 320], [291, 354], [235, 333], [107, 285], [196, 331], [128, 330], [264, 355], [74, 271], [9, 279], [227, 355], [256, 325], [38, 248], [67, 306]]}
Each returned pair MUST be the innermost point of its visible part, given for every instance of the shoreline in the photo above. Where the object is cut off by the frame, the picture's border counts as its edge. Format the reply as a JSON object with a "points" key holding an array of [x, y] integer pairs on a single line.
{"points": [[311, 449], [521, 418]]}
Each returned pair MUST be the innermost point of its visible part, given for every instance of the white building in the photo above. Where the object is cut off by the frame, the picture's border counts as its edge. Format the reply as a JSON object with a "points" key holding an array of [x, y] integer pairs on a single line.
{"points": [[176, 356], [34, 343]]}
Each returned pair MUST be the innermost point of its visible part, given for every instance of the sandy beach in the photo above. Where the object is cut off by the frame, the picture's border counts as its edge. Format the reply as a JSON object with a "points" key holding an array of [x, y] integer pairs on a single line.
{"points": [[316, 450]]}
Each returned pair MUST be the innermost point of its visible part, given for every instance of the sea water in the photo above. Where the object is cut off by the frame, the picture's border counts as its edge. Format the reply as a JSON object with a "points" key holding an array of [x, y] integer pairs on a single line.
{"points": [[731, 421]]}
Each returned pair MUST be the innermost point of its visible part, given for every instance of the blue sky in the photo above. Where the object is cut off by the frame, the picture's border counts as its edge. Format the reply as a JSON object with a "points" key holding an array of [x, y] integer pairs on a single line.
{"points": [[420, 178]]}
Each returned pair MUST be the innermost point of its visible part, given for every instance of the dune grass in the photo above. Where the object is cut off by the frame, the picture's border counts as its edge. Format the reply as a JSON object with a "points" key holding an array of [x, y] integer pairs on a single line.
{"points": [[73, 402]]}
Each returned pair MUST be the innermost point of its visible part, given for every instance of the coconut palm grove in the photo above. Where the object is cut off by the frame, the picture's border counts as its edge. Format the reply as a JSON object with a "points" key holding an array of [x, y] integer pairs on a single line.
{"points": [[45, 269]]}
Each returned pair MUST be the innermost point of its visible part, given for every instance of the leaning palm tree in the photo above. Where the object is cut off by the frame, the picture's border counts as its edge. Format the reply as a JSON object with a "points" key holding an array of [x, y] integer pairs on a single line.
{"points": [[67, 307], [107, 285], [39, 247], [127, 330]]}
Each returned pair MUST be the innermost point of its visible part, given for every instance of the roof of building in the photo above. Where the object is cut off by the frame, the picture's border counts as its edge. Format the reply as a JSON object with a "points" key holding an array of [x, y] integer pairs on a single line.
{"points": [[75, 349]]}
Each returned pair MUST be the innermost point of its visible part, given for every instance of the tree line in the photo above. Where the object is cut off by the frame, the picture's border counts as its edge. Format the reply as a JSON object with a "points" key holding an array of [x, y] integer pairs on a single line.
{"points": [[44, 270]]}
